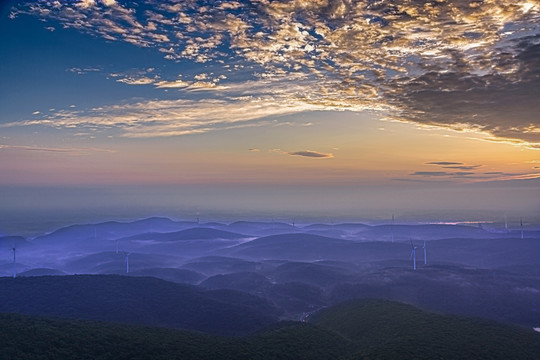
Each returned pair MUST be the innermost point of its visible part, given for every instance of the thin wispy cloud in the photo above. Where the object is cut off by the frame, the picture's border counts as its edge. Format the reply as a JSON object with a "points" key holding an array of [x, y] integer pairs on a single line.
{"points": [[453, 165], [444, 163], [70, 150], [456, 64], [159, 118]]}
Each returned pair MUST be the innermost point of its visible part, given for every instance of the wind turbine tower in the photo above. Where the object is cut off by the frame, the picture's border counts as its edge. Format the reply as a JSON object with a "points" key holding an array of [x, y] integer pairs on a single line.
{"points": [[413, 255], [521, 226], [392, 228], [425, 253], [127, 262], [14, 264]]}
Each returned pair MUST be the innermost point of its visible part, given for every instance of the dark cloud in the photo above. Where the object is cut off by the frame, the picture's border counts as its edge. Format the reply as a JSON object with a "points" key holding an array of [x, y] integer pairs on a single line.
{"points": [[463, 167], [442, 173], [504, 106], [453, 165], [430, 173], [444, 163], [312, 154]]}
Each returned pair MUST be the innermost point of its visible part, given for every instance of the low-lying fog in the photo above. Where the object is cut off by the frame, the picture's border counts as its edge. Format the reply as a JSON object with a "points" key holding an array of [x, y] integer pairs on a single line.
{"points": [[481, 270]]}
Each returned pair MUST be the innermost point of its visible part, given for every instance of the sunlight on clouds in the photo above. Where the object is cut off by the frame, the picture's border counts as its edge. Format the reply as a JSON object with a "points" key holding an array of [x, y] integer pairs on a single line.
{"points": [[456, 64], [159, 118]]}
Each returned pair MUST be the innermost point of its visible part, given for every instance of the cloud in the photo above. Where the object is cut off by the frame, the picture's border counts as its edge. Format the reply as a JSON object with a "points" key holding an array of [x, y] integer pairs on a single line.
{"points": [[311, 154], [444, 163], [453, 165], [136, 81], [160, 118], [468, 176], [430, 173], [464, 65], [463, 167], [82, 71], [73, 151]]}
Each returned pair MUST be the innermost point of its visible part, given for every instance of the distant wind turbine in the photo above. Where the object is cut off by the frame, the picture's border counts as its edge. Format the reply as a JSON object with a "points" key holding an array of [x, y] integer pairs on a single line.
{"points": [[521, 226], [425, 253], [392, 228], [14, 264], [505, 223], [413, 255], [127, 261]]}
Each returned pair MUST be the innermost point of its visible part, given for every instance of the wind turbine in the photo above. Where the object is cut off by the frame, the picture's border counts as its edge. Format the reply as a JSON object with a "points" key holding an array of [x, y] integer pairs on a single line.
{"points": [[14, 264], [521, 226], [392, 228], [127, 261], [413, 255], [425, 253]]}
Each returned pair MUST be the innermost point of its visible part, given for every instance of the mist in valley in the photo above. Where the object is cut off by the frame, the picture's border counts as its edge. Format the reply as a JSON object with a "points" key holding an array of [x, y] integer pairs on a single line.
{"points": [[288, 269]]}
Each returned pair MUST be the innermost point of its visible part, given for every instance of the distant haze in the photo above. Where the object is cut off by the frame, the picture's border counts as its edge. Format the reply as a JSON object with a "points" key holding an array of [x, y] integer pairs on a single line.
{"points": [[27, 210]]}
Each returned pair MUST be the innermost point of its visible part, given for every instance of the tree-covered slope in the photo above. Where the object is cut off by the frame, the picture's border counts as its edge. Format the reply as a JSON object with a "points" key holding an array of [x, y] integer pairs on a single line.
{"points": [[367, 329], [390, 330], [136, 300]]}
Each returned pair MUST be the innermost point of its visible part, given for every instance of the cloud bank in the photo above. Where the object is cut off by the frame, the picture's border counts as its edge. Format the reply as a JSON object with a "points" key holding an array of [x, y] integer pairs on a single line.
{"points": [[465, 65]]}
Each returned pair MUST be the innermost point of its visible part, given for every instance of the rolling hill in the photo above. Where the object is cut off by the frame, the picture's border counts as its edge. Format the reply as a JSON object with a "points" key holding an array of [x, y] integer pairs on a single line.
{"points": [[136, 300], [368, 329]]}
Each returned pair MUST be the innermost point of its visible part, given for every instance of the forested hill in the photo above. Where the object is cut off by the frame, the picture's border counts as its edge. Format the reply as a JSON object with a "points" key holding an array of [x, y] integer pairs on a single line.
{"points": [[367, 329]]}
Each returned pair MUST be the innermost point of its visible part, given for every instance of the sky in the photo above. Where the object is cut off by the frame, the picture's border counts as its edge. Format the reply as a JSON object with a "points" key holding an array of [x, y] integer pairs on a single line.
{"points": [[269, 107]]}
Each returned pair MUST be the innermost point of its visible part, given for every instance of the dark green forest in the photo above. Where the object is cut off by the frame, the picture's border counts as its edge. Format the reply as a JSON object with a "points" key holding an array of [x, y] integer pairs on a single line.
{"points": [[363, 329]]}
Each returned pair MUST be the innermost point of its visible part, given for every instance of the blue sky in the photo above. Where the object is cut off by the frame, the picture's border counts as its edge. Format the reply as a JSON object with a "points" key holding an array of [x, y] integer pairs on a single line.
{"points": [[364, 102]]}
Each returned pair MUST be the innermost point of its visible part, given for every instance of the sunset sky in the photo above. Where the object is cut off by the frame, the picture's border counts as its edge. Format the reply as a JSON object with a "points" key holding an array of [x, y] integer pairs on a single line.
{"points": [[270, 106]]}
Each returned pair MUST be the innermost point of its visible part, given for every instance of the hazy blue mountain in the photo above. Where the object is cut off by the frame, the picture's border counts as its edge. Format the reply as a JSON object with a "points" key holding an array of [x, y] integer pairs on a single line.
{"points": [[41, 272], [429, 231], [112, 262], [110, 230], [213, 265], [309, 273], [452, 289], [260, 227], [8, 242], [198, 233], [250, 282], [291, 246], [136, 300], [181, 276]]}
